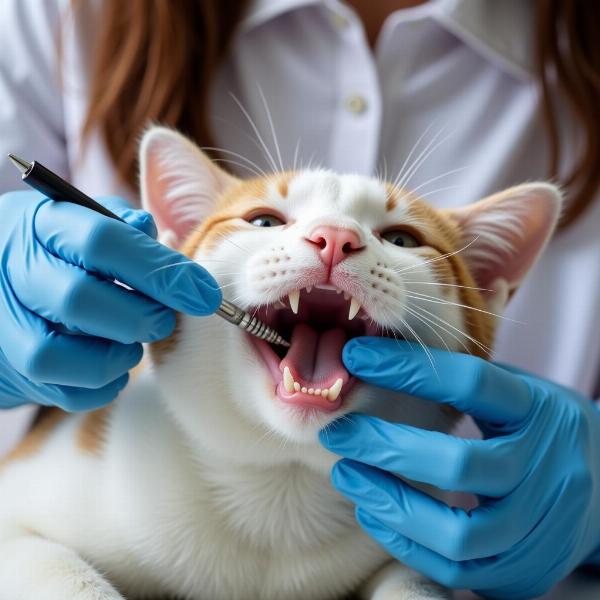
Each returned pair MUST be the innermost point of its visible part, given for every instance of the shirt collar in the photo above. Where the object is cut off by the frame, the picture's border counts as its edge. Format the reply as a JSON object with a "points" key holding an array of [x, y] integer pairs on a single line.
{"points": [[501, 32], [261, 11]]}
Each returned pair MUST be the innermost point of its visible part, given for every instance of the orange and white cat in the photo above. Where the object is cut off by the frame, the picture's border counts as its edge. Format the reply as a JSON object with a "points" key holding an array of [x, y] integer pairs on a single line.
{"points": [[205, 479]]}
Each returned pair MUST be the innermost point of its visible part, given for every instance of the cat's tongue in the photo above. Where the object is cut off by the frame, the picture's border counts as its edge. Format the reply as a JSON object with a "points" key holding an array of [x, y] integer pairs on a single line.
{"points": [[314, 363]]}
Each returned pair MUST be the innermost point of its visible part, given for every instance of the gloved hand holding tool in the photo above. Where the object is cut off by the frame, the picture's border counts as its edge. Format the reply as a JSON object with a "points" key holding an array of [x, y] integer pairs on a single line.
{"points": [[58, 266]]}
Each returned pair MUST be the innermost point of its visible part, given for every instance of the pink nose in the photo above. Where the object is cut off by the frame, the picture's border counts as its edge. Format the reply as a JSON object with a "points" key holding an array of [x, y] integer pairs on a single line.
{"points": [[334, 243]]}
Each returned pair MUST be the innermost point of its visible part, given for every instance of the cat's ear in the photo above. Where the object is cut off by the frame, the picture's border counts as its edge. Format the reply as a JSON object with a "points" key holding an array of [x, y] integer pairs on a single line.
{"points": [[504, 234], [179, 183]]}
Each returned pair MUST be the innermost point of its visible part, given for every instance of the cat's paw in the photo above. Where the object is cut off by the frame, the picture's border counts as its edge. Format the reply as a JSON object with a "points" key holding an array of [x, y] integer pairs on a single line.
{"points": [[396, 581], [82, 585], [413, 591], [42, 569], [410, 595]]}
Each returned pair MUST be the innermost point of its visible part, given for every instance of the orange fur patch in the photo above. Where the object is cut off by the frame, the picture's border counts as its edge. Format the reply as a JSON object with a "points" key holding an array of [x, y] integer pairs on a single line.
{"points": [[444, 273], [392, 197], [91, 434], [437, 231], [282, 186], [480, 325], [35, 439]]}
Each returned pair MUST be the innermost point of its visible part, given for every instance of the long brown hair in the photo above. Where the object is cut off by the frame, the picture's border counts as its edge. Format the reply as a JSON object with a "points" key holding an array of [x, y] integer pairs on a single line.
{"points": [[154, 60]]}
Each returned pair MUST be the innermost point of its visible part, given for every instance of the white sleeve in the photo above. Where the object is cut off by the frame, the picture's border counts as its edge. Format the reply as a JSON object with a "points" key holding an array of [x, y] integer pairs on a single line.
{"points": [[31, 111]]}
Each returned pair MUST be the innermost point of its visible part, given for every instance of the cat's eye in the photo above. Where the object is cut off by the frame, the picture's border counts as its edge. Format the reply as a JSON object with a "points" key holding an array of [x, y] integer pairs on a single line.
{"points": [[401, 237], [266, 221]]}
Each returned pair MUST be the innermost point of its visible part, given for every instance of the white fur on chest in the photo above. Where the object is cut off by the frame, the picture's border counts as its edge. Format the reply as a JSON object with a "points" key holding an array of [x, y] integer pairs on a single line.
{"points": [[202, 523]]}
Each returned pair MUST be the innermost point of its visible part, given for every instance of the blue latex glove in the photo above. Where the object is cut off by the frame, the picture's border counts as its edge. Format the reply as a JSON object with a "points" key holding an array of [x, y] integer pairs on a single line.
{"points": [[57, 266], [537, 472]]}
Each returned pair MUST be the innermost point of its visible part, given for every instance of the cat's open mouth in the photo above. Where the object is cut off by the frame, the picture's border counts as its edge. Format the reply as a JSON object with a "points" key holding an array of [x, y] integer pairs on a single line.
{"points": [[317, 322]]}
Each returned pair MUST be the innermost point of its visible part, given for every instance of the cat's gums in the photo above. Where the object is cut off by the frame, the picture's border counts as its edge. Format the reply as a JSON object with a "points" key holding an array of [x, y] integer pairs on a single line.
{"points": [[205, 480]]}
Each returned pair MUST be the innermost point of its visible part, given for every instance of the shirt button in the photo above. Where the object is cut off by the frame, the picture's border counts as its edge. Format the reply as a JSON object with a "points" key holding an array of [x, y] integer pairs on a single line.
{"points": [[356, 104], [340, 21]]}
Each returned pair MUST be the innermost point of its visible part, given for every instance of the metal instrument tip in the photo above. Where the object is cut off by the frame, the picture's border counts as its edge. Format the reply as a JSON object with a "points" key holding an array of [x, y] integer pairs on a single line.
{"points": [[21, 164]]}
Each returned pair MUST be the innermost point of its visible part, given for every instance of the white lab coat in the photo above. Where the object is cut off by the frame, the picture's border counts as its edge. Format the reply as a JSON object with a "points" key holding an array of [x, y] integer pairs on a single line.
{"points": [[458, 68]]}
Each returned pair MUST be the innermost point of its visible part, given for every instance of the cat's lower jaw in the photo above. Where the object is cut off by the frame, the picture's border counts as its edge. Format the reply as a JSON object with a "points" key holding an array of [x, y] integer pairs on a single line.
{"points": [[319, 387]]}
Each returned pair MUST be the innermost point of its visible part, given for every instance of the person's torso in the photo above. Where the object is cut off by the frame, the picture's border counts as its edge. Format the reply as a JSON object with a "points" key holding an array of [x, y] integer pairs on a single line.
{"points": [[431, 104]]}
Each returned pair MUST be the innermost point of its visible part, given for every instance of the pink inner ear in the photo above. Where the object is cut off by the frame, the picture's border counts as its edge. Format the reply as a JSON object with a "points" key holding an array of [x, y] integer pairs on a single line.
{"points": [[180, 185], [508, 232], [528, 245], [158, 184]]}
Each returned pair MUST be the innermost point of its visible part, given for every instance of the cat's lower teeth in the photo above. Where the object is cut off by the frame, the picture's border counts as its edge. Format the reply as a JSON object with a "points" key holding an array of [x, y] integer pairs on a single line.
{"points": [[292, 386]]}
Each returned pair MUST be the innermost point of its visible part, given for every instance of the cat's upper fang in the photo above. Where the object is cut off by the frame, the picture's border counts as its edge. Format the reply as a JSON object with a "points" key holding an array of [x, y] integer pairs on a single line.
{"points": [[294, 299], [354, 308]]}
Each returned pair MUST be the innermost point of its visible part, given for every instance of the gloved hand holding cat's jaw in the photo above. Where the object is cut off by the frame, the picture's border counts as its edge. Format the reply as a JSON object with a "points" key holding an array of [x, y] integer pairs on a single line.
{"points": [[536, 472], [229, 424]]}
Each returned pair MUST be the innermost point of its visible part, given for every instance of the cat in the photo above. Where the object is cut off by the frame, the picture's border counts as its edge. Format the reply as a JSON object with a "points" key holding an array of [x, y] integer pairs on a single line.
{"points": [[205, 478]]}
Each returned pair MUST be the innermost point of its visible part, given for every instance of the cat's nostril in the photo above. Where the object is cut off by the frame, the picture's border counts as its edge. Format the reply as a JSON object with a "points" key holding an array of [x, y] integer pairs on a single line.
{"points": [[334, 244]]}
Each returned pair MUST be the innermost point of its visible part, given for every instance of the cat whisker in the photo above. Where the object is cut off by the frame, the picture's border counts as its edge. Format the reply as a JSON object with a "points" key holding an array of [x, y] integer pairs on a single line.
{"points": [[427, 152], [420, 318], [223, 236], [466, 287], [436, 259], [414, 311], [421, 343], [236, 155], [438, 190], [246, 114], [296, 151], [177, 264], [216, 272], [235, 299], [453, 335], [442, 175], [391, 331], [325, 431], [310, 165], [436, 300], [466, 335], [412, 151], [381, 173], [345, 418], [418, 161], [226, 285], [270, 119], [237, 164], [445, 330], [245, 134]]}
